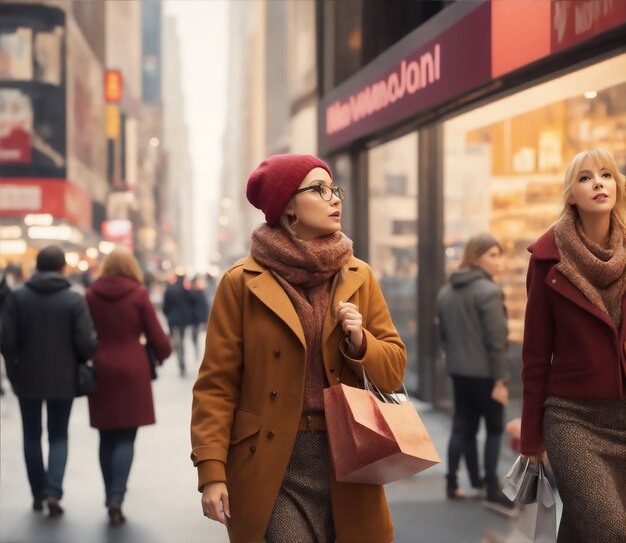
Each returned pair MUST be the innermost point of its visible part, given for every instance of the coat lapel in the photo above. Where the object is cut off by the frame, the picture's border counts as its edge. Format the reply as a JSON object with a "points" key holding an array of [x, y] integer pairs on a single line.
{"points": [[561, 284], [265, 287], [545, 248], [349, 284], [269, 292]]}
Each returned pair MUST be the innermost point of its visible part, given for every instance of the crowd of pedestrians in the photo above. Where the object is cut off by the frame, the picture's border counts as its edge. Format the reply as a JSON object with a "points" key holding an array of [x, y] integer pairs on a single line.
{"points": [[186, 306]]}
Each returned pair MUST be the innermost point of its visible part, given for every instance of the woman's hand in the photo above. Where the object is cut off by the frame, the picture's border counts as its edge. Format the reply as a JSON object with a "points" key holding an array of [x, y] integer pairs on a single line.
{"points": [[536, 458], [347, 314], [215, 502], [500, 392]]}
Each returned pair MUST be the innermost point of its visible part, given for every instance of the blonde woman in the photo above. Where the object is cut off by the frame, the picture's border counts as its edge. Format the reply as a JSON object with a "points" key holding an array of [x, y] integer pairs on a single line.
{"points": [[574, 364], [297, 315], [474, 334], [122, 311]]}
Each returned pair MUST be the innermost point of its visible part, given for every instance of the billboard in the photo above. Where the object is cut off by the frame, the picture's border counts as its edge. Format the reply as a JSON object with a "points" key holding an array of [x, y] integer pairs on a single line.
{"points": [[32, 91]]}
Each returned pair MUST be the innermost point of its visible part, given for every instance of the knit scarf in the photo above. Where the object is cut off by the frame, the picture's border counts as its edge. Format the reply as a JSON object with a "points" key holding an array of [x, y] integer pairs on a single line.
{"points": [[598, 272], [304, 270]]}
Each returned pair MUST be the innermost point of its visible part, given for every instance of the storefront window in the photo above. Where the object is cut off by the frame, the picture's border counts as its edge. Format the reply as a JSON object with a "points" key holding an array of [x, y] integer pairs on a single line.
{"points": [[505, 162], [393, 235]]}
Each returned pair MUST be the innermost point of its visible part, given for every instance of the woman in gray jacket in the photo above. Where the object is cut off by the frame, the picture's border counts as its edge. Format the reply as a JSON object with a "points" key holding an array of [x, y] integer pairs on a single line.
{"points": [[474, 333]]}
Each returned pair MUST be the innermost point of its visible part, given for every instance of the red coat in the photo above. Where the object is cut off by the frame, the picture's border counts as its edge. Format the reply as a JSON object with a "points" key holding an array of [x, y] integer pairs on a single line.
{"points": [[571, 349], [121, 311]]}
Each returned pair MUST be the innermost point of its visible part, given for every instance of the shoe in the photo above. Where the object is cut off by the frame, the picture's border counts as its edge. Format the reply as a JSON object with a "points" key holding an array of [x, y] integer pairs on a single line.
{"points": [[453, 492], [116, 517], [54, 509], [38, 504]]}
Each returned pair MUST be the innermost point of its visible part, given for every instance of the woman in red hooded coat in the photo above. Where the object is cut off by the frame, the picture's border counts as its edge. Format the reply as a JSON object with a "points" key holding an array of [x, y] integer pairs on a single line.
{"points": [[122, 312]]}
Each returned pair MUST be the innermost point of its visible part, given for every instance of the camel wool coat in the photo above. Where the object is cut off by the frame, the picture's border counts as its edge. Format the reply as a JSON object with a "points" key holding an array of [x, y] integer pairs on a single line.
{"points": [[247, 399]]}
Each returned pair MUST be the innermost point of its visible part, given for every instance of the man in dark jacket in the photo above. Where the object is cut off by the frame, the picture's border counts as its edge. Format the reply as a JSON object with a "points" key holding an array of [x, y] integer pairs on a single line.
{"points": [[47, 331], [178, 309]]}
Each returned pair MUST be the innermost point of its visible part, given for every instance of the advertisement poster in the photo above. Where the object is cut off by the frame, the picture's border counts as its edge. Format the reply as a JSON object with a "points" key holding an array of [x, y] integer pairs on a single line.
{"points": [[16, 127]]}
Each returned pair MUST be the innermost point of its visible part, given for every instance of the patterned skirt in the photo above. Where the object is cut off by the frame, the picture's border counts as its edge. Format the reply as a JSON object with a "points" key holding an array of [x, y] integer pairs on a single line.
{"points": [[586, 446], [303, 510]]}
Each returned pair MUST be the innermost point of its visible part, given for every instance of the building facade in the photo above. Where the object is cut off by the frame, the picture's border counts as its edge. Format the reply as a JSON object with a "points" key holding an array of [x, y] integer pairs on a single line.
{"points": [[464, 125], [272, 107], [75, 153]]}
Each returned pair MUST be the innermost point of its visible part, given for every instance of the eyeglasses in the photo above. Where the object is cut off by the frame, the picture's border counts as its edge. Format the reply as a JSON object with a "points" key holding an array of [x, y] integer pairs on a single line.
{"points": [[325, 191]]}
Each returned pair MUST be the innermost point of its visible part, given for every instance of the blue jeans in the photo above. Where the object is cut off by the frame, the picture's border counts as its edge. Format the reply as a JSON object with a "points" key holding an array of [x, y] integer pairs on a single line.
{"points": [[116, 457], [44, 483]]}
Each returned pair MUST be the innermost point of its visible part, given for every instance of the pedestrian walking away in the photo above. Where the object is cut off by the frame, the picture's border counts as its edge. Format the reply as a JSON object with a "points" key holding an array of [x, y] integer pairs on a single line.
{"points": [[201, 310], [178, 309], [122, 312], [297, 315], [474, 332], [46, 333], [574, 359]]}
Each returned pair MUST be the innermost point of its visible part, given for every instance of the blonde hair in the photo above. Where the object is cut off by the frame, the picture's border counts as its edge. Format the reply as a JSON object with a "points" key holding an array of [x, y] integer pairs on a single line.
{"points": [[120, 261], [476, 247], [604, 159]]}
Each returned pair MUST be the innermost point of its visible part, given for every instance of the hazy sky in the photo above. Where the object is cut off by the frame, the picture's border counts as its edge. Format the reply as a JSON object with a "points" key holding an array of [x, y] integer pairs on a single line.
{"points": [[203, 32]]}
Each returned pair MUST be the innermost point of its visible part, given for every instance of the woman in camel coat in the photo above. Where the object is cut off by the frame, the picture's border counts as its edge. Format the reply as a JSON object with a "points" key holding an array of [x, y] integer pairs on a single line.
{"points": [[257, 424]]}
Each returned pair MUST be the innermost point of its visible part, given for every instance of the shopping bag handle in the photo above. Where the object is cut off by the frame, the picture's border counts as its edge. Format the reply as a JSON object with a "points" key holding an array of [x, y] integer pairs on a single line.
{"points": [[386, 397]]}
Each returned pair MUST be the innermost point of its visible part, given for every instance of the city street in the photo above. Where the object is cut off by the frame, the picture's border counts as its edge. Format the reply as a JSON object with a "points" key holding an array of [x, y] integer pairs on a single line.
{"points": [[162, 505]]}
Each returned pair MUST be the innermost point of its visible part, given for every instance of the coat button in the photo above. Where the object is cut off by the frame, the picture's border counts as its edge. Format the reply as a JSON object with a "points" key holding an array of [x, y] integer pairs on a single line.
{"points": [[270, 434], [273, 394], [253, 449], [554, 281], [338, 379], [277, 352]]}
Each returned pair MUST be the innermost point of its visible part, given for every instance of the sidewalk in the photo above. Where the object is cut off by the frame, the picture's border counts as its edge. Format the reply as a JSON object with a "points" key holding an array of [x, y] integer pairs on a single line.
{"points": [[420, 509], [162, 504]]}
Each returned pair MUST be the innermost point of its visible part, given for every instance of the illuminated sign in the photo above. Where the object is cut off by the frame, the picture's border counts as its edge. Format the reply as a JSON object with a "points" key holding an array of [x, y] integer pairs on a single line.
{"points": [[119, 231], [112, 122], [112, 85]]}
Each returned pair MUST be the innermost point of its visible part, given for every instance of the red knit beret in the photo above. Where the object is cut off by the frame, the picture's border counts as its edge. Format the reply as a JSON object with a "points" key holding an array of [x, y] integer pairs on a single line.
{"points": [[272, 184]]}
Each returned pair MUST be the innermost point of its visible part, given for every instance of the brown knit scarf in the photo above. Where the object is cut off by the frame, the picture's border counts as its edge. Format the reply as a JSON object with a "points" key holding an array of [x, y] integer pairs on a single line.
{"points": [[598, 272], [304, 269]]}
